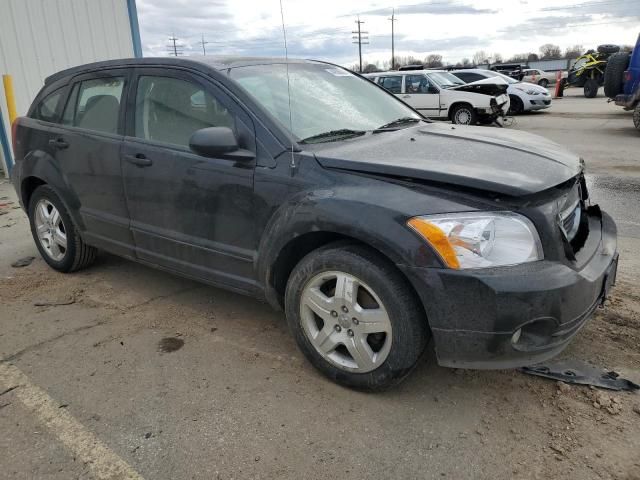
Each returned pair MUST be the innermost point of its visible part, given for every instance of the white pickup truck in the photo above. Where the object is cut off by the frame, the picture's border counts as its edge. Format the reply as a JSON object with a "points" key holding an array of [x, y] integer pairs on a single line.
{"points": [[439, 94]]}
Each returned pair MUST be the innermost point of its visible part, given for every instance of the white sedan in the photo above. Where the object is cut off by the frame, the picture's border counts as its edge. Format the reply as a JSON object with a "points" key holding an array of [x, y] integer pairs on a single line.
{"points": [[438, 94], [524, 96]]}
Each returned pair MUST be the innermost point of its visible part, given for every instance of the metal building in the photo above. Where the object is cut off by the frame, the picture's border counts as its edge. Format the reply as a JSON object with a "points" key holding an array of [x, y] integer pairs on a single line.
{"points": [[40, 37]]}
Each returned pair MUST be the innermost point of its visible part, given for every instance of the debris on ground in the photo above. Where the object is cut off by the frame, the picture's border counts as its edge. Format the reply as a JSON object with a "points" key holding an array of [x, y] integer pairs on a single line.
{"points": [[23, 262], [582, 373], [55, 303]]}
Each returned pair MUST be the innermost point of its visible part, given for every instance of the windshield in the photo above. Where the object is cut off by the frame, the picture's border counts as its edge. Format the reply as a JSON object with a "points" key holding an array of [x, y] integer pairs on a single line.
{"points": [[324, 98], [507, 78], [445, 79]]}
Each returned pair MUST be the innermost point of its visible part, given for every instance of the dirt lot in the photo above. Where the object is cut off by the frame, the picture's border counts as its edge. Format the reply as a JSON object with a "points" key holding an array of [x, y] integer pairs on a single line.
{"points": [[121, 371]]}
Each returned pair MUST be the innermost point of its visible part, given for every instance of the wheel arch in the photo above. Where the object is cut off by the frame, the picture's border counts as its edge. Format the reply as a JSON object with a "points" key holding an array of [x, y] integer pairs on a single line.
{"points": [[456, 104]]}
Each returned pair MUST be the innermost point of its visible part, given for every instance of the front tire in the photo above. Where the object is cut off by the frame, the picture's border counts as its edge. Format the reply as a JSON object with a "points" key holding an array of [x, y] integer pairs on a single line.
{"points": [[636, 117], [591, 87], [55, 234], [544, 83], [355, 317], [516, 106], [464, 115]]}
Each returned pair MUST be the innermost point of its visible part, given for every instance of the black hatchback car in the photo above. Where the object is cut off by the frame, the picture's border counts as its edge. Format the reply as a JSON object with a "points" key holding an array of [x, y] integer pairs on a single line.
{"points": [[306, 185]]}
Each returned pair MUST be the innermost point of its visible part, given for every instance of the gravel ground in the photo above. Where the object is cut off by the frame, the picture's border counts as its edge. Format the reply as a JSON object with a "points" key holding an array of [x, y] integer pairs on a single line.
{"points": [[122, 371]]}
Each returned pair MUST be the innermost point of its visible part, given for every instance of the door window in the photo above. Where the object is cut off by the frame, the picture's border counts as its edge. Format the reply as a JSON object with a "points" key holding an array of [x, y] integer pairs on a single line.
{"points": [[416, 84], [170, 110], [393, 84], [95, 104]]}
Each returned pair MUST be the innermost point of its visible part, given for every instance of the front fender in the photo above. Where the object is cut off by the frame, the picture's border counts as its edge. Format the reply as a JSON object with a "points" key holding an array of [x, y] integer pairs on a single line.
{"points": [[343, 211]]}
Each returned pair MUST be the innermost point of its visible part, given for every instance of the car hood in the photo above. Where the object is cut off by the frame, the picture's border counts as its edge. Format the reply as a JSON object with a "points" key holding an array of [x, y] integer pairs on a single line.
{"points": [[530, 86], [488, 86], [494, 160]]}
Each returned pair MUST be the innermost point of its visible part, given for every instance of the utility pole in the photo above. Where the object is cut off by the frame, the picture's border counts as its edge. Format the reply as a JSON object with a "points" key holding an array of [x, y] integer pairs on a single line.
{"points": [[174, 49], [360, 39], [203, 43], [393, 47]]}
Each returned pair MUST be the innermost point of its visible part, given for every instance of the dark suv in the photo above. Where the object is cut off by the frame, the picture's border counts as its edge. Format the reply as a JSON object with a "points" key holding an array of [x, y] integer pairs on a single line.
{"points": [[303, 184]]}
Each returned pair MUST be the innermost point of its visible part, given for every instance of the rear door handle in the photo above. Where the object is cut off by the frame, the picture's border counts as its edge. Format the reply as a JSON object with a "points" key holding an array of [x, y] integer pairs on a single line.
{"points": [[139, 160], [58, 143]]}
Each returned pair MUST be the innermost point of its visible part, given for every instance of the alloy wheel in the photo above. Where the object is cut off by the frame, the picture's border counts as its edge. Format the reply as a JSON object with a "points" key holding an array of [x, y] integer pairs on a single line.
{"points": [[463, 117], [345, 321], [50, 230]]}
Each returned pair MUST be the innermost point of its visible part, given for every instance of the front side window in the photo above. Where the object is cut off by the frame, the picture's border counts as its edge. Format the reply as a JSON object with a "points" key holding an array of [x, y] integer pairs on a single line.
{"points": [[170, 110], [416, 84], [46, 109], [95, 104]]}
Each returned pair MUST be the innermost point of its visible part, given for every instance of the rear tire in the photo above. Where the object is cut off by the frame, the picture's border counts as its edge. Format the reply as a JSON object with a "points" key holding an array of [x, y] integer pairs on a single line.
{"points": [[55, 234], [544, 83], [636, 116], [464, 115], [591, 88], [614, 74], [516, 106], [346, 298]]}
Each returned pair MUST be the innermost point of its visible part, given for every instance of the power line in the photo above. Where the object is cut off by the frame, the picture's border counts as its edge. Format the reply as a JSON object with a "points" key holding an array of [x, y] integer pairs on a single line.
{"points": [[360, 39]]}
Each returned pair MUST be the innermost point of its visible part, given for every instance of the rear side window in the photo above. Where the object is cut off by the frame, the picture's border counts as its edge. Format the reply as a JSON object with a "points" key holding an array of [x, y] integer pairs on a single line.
{"points": [[95, 104], [393, 84], [170, 110], [47, 108]]}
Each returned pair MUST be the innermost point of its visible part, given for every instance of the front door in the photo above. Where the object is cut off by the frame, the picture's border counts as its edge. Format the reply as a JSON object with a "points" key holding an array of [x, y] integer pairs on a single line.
{"points": [[87, 147], [422, 95], [190, 213]]}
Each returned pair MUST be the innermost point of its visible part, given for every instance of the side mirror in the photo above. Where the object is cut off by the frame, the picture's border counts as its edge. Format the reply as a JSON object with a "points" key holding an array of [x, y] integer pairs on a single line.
{"points": [[214, 142]]}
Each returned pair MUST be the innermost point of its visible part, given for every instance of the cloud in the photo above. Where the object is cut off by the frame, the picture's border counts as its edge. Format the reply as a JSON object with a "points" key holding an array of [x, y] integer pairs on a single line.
{"points": [[450, 7]]}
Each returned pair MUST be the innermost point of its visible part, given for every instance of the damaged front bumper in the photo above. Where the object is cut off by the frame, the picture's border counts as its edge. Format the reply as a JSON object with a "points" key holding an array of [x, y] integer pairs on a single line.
{"points": [[515, 316]]}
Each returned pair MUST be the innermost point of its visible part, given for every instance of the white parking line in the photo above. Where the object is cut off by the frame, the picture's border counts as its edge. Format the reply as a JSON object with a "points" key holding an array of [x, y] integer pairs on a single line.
{"points": [[103, 462]]}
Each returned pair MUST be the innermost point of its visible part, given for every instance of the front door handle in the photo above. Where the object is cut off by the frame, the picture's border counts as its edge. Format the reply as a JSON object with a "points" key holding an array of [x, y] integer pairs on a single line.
{"points": [[139, 160], [59, 143]]}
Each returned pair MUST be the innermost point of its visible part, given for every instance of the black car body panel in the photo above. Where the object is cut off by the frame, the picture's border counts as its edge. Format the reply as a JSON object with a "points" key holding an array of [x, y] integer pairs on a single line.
{"points": [[238, 224]]}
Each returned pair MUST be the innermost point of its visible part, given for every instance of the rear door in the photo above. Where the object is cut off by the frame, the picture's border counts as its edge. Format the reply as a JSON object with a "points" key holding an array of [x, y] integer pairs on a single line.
{"points": [[86, 147], [422, 94], [190, 213]]}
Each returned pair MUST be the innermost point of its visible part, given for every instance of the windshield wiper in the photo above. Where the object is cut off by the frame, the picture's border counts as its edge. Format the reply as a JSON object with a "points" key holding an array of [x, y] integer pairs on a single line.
{"points": [[397, 123], [332, 135]]}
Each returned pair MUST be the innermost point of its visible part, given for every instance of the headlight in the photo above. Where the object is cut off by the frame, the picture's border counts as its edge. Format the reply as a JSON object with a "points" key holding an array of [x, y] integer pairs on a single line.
{"points": [[480, 239]]}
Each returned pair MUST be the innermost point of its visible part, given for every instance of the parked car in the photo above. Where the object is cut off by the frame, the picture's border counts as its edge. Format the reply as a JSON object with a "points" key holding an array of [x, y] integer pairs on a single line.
{"points": [[523, 96], [622, 81], [374, 229], [540, 77], [438, 94]]}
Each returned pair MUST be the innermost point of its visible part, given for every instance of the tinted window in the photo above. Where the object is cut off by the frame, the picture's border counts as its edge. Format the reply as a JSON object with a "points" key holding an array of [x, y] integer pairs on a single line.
{"points": [[46, 109], [393, 84], [416, 84], [469, 76], [95, 104], [169, 110]]}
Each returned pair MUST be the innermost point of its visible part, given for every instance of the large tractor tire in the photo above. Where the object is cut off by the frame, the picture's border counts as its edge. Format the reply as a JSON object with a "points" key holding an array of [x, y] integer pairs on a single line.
{"points": [[608, 49], [614, 74], [636, 117], [591, 88]]}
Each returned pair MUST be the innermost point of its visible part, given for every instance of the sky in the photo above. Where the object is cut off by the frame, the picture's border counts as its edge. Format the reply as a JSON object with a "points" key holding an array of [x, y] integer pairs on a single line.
{"points": [[322, 29]]}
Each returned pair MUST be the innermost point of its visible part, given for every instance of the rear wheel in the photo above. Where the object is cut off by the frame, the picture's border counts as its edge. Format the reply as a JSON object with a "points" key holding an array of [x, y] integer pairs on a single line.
{"points": [[636, 116], [464, 115], [355, 317], [543, 82], [55, 234], [591, 88], [516, 106]]}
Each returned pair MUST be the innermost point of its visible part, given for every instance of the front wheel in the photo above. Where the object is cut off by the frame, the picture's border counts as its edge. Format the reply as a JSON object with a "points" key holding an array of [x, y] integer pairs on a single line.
{"points": [[516, 106], [55, 234], [464, 115], [544, 83], [355, 317], [591, 87], [636, 116]]}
